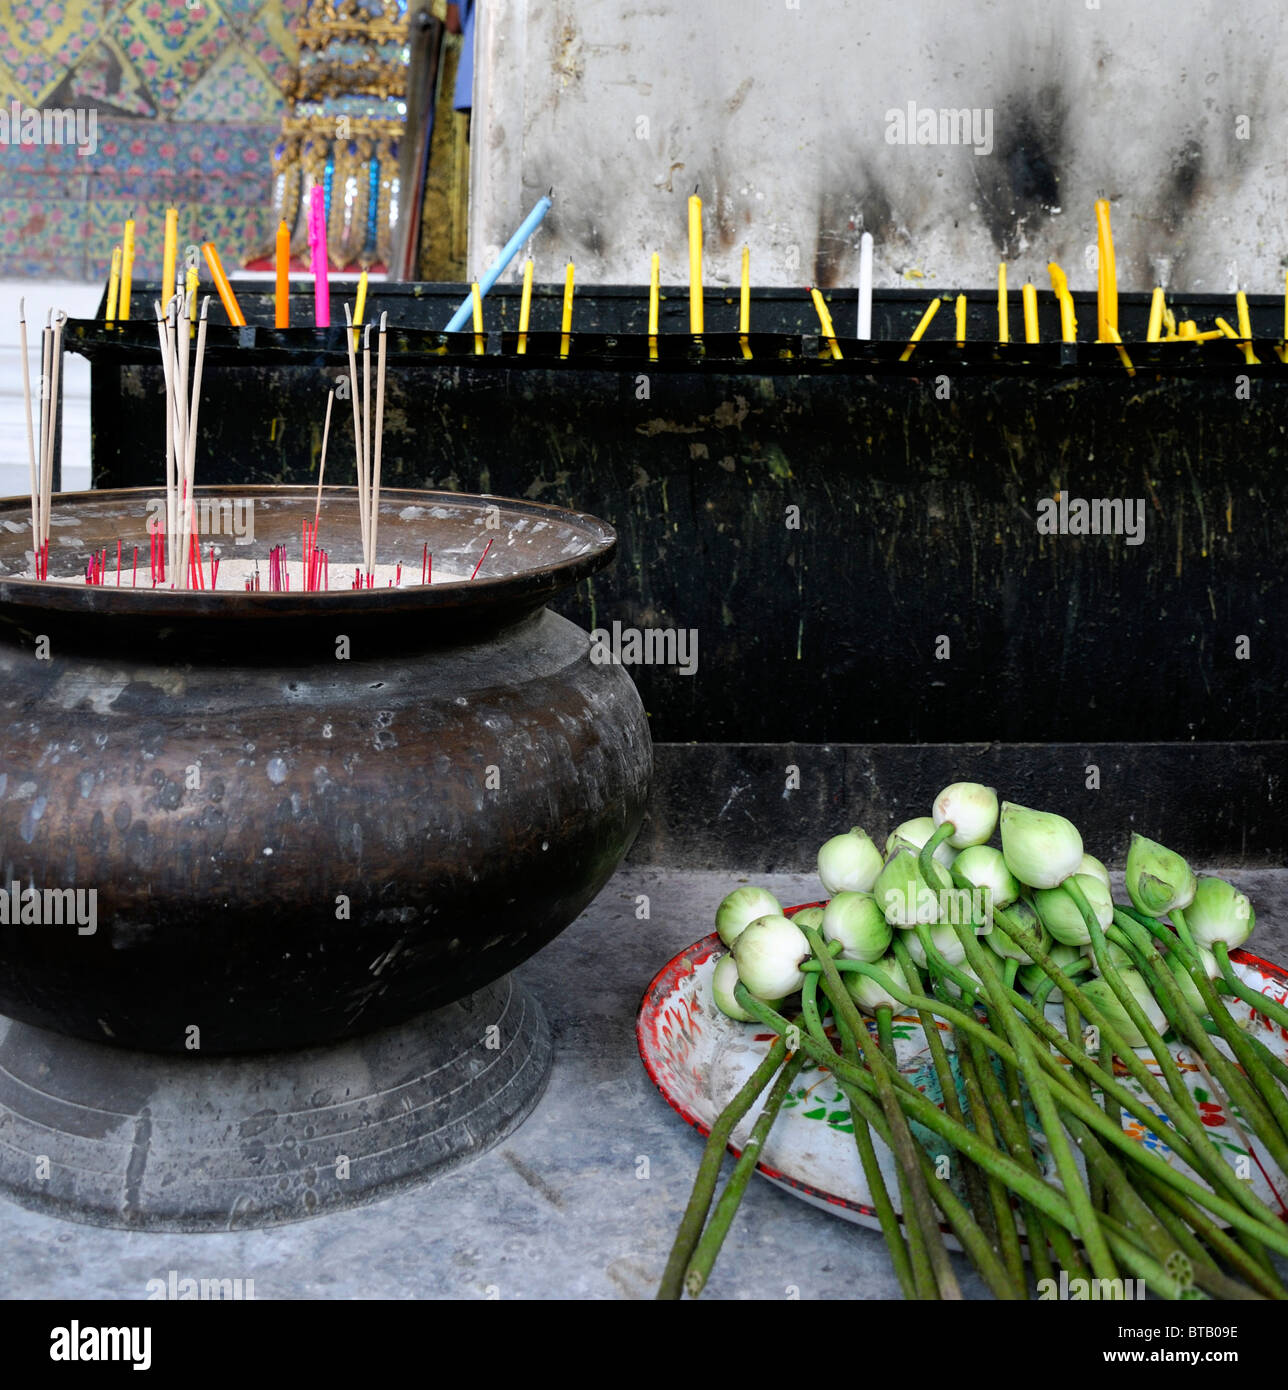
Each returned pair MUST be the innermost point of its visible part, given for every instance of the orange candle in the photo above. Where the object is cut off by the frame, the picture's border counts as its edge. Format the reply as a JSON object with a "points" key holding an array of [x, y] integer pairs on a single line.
{"points": [[282, 299], [226, 296]]}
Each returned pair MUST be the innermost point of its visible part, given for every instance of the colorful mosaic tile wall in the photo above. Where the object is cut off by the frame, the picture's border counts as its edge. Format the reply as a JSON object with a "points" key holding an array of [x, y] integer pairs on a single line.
{"points": [[189, 96]]}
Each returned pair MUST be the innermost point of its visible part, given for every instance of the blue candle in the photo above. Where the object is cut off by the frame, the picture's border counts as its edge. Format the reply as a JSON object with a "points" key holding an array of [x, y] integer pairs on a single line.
{"points": [[494, 271]]}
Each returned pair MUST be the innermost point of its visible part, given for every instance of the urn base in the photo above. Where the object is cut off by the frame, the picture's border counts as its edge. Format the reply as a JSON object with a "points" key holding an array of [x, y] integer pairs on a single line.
{"points": [[164, 1142]]}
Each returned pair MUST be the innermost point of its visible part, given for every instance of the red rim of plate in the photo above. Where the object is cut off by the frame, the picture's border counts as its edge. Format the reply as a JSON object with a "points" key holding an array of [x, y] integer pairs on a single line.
{"points": [[666, 981]]}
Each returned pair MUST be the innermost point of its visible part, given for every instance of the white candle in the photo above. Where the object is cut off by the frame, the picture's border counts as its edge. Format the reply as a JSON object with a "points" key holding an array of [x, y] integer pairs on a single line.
{"points": [[865, 286]]}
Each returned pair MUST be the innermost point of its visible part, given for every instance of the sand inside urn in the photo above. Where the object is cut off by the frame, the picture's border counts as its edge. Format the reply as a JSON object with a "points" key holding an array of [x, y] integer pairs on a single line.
{"points": [[234, 572]]}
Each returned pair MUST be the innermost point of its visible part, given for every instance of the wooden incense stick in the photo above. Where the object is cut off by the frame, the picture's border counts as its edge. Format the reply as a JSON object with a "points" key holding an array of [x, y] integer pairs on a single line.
{"points": [[380, 430], [190, 442], [183, 348], [31, 441], [46, 342], [326, 434], [366, 444], [177, 331], [351, 340], [56, 350], [163, 336]]}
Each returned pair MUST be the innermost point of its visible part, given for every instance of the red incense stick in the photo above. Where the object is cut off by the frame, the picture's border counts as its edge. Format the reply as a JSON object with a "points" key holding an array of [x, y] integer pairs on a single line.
{"points": [[482, 557]]}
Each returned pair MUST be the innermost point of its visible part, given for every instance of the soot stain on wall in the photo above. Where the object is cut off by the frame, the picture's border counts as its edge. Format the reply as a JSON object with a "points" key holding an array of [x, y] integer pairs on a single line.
{"points": [[843, 217], [1019, 183]]}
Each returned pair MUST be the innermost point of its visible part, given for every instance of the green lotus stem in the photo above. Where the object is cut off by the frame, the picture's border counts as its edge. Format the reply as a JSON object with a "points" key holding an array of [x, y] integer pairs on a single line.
{"points": [[712, 1238], [1272, 1096], [1118, 937], [978, 1187], [809, 1009], [867, 1115], [1157, 1239], [941, 968], [1191, 1142], [1183, 1117], [1182, 1120], [1162, 1054], [1260, 1275], [1195, 1147], [1206, 1161], [1262, 1003], [1207, 1275], [958, 1215], [887, 1218], [695, 1214], [1251, 1215], [1014, 1136], [1243, 1089], [1073, 1031], [1128, 1249], [1043, 991], [1275, 1065], [920, 1270], [1158, 930], [905, 1148], [935, 875], [1093, 1238], [925, 1112]]}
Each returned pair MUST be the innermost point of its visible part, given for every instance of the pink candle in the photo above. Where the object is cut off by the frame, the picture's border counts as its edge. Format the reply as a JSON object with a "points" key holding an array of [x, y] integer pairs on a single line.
{"points": [[317, 245]]}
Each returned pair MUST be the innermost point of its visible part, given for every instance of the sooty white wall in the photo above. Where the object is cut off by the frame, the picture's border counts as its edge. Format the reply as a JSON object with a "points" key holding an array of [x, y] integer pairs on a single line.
{"points": [[779, 110]]}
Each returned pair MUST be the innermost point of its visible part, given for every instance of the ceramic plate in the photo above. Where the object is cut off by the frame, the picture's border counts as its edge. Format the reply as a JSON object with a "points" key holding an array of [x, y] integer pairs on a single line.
{"points": [[698, 1058]]}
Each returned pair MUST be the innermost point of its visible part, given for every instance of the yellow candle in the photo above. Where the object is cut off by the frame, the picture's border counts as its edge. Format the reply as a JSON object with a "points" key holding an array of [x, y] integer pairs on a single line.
{"points": [[190, 291], [695, 264], [920, 329], [525, 307], [1003, 313], [961, 320], [654, 293], [1060, 286], [169, 252], [478, 316], [1189, 329], [1029, 297], [359, 306], [1122, 351], [567, 312], [1156, 306], [1107, 299], [1245, 328], [1286, 308], [113, 284], [744, 307], [825, 322], [127, 270], [1245, 319], [1169, 322]]}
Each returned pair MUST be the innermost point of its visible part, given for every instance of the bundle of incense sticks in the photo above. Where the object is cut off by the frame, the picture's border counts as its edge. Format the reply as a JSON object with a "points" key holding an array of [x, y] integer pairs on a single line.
{"points": [[41, 464], [368, 443], [183, 555]]}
